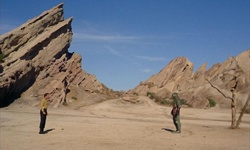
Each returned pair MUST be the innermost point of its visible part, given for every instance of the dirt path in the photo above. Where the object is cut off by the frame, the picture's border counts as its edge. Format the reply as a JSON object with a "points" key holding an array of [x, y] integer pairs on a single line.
{"points": [[118, 124]]}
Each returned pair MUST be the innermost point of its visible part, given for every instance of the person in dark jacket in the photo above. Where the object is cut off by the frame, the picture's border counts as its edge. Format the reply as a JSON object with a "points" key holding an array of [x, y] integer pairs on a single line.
{"points": [[176, 112]]}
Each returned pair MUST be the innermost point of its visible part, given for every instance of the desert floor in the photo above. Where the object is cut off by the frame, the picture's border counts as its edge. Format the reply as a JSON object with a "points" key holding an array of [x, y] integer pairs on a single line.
{"points": [[121, 125]]}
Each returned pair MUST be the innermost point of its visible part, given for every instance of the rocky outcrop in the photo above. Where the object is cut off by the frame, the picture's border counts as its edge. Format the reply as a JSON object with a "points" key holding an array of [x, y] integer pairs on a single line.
{"points": [[36, 61], [168, 79], [178, 76]]}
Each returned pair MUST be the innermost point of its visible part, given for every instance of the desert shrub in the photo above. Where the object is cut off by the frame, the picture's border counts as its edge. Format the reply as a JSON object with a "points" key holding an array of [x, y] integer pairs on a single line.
{"points": [[65, 103], [74, 98], [247, 111], [150, 95], [166, 102], [212, 103], [183, 102], [154, 96]]}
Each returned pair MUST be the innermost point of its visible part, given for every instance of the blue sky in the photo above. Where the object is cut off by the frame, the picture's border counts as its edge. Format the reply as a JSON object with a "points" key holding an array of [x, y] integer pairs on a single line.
{"points": [[124, 42]]}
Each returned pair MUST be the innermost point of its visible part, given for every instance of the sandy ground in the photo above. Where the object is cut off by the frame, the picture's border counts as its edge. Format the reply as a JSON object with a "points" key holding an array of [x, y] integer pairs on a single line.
{"points": [[120, 125]]}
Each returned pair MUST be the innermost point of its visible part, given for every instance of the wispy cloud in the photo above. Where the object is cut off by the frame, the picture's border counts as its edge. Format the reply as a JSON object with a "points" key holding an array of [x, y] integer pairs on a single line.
{"points": [[115, 52], [150, 58], [147, 70], [103, 37], [134, 59]]}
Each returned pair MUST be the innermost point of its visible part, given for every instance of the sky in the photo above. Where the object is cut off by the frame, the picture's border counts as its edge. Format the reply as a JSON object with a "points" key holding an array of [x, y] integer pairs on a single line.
{"points": [[124, 42]]}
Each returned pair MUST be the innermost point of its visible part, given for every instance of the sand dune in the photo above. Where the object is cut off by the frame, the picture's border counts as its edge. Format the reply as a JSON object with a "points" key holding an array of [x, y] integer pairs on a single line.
{"points": [[118, 124]]}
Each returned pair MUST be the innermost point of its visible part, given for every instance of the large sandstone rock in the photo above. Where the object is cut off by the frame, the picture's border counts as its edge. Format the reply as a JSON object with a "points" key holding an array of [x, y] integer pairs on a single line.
{"points": [[37, 61], [168, 79], [178, 76]]}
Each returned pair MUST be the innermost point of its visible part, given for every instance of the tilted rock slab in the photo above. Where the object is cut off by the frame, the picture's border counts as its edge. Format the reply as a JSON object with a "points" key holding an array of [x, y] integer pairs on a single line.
{"points": [[37, 61]]}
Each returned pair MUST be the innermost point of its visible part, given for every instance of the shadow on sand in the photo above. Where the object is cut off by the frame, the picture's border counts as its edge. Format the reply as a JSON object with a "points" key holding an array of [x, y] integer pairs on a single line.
{"points": [[49, 130], [169, 130]]}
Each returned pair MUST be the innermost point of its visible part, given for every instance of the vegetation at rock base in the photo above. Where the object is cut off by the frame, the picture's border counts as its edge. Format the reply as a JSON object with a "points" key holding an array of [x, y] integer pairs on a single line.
{"points": [[247, 111], [164, 101], [65, 103], [154, 96], [212, 103], [74, 98]]}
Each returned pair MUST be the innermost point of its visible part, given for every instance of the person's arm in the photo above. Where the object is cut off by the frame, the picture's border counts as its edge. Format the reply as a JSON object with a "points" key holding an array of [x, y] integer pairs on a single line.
{"points": [[42, 106], [178, 104], [44, 111]]}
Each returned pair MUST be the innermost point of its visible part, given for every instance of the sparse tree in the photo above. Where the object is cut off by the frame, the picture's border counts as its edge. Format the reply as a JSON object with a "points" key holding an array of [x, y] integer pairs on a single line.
{"points": [[235, 74]]}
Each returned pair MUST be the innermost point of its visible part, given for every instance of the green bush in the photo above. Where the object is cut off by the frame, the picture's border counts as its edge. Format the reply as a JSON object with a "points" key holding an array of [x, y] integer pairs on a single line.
{"points": [[247, 111], [166, 102], [74, 98], [150, 95], [212, 103], [183, 102], [65, 103], [154, 96]]}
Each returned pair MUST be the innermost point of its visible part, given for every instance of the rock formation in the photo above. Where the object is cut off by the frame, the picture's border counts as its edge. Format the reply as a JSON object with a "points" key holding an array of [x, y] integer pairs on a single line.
{"points": [[178, 76], [36, 61]]}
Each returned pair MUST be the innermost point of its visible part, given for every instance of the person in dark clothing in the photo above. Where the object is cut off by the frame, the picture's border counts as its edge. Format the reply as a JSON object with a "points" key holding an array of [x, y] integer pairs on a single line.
{"points": [[43, 112], [176, 112]]}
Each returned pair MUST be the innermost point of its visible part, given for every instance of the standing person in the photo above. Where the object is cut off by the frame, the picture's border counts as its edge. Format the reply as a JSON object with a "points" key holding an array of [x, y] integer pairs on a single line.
{"points": [[43, 112], [176, 112]]}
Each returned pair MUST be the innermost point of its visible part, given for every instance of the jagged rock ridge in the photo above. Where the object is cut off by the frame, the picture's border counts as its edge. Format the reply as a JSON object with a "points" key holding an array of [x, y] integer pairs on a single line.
{"points": [[178, 76], [37, 61]]}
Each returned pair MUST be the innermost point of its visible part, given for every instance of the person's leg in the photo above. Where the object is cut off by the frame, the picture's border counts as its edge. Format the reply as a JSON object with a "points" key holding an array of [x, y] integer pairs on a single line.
{"points": [[178, 124], [175, 123], [42, 122], [45, 116]]}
